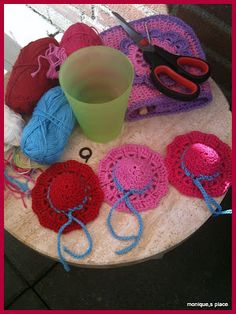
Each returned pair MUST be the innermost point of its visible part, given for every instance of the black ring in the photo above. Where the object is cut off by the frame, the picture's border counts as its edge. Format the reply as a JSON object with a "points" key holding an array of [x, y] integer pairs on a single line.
{"points": [[87, 156]]}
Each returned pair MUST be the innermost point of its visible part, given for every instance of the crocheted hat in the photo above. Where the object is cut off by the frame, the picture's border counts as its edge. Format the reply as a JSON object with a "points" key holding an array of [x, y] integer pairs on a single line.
{"points": [[175, 36], [199, 165], [66, 197], [133, 178], [65, 186], [134, 167]]}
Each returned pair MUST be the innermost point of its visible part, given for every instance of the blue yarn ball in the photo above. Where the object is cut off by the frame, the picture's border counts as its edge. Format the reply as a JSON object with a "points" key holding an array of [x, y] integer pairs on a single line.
{"points": [[46, 134]]}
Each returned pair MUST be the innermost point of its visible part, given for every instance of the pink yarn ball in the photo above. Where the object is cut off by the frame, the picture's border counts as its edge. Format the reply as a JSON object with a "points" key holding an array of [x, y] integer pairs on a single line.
{"points": [[201, 159], [79, 35]]}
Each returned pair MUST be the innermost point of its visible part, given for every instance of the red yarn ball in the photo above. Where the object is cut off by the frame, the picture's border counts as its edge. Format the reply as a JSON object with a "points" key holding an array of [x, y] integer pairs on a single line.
{"points": [[202, 160], [24, 91], [66, 191], [79, 35]]}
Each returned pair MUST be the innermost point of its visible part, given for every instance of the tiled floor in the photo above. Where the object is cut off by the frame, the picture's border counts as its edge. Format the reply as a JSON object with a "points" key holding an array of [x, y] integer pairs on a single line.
{"points": [[199, 270]]}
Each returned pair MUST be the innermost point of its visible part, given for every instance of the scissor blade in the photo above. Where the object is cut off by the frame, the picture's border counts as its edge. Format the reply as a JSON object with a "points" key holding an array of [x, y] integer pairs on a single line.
{"points": [[130, 30]]}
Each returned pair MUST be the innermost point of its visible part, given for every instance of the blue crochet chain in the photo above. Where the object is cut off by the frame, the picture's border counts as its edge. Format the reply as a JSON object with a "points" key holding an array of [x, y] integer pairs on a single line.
{"points": [[70, 217], [125, 198], [214, 207]]}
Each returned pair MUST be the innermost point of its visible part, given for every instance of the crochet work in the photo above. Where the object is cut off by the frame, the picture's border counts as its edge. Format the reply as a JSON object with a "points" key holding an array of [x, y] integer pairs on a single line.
{"points": [[203, 155], [135, 167], [202, 159], [67, 184], [176, 37]]}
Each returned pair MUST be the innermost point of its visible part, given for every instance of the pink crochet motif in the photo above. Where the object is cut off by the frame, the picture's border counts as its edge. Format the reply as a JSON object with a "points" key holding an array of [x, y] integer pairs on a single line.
{"points": [[202, 154], [175, 36], [135, 167]]}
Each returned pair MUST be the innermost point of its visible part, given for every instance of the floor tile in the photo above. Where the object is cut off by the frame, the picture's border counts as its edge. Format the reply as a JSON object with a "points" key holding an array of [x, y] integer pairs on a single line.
{"points": [[28, 301], [13, 284], [29, 263]]}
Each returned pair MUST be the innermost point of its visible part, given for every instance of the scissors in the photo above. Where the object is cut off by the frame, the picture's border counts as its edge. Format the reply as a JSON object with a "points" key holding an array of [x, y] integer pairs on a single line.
{"points": [[173, 66]]}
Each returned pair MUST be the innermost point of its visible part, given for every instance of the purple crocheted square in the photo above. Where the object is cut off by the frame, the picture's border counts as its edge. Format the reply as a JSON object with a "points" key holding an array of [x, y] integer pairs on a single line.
{"points": [[172, 34]]}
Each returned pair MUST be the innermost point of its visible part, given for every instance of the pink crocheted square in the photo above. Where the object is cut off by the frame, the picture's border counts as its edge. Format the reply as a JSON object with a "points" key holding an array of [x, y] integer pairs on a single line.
{"points": [[172, 34]]}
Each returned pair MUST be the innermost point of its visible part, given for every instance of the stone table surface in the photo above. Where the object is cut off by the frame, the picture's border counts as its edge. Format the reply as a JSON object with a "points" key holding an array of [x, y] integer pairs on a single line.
{"points": [[174, 220]]}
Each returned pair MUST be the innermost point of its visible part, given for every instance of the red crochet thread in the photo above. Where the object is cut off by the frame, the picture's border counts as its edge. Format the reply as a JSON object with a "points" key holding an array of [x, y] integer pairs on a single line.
{"points": [[70, 182], [23, 91], [205, 154]]}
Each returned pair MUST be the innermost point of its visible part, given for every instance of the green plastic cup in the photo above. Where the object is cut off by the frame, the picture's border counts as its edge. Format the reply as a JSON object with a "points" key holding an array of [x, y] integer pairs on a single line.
{"points": [[97, 81]]}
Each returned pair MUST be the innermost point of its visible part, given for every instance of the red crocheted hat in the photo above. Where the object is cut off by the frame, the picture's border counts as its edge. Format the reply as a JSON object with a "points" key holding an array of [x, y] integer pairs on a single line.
{"points": [[62, 187], [133, 167], [23, 91], [197, 155]]}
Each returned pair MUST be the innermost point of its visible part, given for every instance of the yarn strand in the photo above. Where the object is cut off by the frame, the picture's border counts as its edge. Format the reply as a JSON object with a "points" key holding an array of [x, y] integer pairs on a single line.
{"points": [[125, 197], [63, 227], [55, 57], [214, 207], [13, 180], [109, 218]]}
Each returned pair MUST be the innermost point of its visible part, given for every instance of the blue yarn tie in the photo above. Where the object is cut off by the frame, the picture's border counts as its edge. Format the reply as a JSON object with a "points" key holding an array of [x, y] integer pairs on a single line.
{"points": [[214, 207], [70, 217], [125, 198]]}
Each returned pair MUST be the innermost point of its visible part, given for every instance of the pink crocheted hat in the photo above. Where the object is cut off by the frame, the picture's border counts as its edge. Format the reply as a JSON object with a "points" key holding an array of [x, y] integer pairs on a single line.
{"points": [[195, 157], [133, 167]]}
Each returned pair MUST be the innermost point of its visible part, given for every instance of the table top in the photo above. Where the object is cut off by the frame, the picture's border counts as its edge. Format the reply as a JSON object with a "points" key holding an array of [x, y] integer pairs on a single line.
{"points": [[174, 220]]}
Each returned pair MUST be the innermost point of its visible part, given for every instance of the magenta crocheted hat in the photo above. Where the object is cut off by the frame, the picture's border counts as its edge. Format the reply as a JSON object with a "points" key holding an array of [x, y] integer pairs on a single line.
{"points": [[133, 167], [200, 165], [175, 36]]}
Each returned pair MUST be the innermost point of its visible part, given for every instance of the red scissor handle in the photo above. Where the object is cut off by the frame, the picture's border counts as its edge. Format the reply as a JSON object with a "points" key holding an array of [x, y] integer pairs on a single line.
{"points": [[192, 68], [192, 89], [197, 63]]}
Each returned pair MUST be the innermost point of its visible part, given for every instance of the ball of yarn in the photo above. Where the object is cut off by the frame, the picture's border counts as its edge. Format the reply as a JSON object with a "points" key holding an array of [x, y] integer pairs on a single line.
{"points": [[24, 91], [13, 126], [46, 134], [79, 35]]}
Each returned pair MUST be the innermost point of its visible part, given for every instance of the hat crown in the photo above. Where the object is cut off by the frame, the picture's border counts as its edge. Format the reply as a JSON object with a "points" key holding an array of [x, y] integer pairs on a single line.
{"points": [[133, 173], [201, 159], [66, 191]]}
